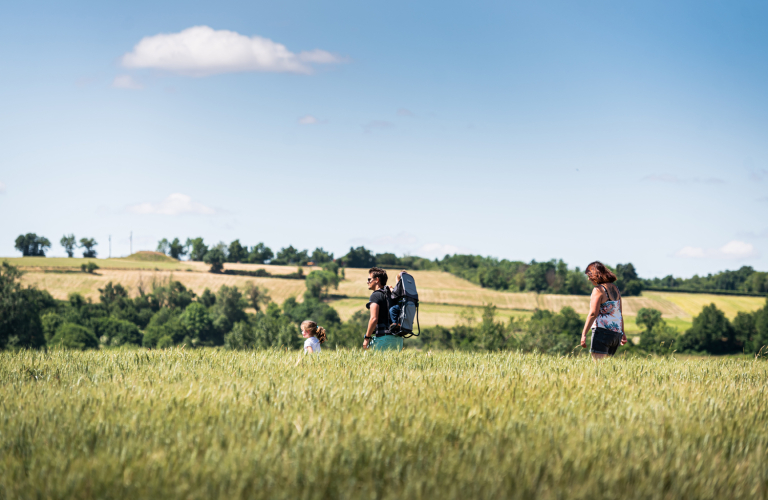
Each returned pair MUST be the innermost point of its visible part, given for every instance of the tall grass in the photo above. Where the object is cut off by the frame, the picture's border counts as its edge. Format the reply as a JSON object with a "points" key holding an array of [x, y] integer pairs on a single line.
{"points": [[347, 424]]}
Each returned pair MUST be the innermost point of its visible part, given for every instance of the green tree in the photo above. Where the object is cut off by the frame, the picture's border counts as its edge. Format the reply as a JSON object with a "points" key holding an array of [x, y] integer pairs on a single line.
{"points": [[536, 276], [115, 332], [711, 332], [164, 329], [237, 253], [162, 246], [647, 318], [20, 310], [290, 255], [657, 336], [72, 336], [228, 310], [319, 283], [198, 326], [207, 298], [32, 245], [386, 260], [260, 254], [197, 249], [69, 243], [312, 309], [216, 258], [176, 249], [332, 267], [111, 294], [89, 244], [320, 256], [359, 257], [257, 296]]}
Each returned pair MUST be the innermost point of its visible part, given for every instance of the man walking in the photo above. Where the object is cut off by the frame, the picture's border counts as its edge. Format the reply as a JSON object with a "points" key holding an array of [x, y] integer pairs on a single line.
{"points": [[378, 335]]}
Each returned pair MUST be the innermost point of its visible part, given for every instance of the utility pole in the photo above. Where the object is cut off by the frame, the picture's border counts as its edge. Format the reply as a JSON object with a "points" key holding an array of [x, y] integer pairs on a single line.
{"points": [[131, 242], [110, 246]]}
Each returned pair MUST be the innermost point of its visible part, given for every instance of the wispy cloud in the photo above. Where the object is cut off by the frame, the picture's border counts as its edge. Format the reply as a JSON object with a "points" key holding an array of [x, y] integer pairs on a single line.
{"points": [[308, 120], [2, 188], [673, 179], [732, 250], [126, 82], [175, 204], [758, 174], [377, 125], [404, 112], [202, 51]]}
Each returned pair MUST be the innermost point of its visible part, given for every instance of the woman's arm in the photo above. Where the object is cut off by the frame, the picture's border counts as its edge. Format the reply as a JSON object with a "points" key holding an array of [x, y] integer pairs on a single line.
{"points": [[309, 349], [623, 333], [594, 308]]}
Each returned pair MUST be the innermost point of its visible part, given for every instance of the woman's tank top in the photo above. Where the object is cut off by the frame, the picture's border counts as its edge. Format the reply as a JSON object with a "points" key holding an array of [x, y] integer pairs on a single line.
{"points": [[609, 316]]}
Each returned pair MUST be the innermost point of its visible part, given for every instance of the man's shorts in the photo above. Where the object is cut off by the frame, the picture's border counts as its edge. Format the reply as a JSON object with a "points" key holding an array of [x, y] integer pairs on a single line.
{"points": [[387, 342]]}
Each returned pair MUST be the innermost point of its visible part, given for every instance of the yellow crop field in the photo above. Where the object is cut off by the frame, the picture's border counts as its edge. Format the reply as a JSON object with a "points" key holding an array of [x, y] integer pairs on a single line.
{"points": [[61, 284], [692, 303]]}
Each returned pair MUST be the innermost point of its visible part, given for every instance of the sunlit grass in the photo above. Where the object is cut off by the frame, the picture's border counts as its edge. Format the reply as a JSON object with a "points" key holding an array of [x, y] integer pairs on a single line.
{"points": [[348, 424]]}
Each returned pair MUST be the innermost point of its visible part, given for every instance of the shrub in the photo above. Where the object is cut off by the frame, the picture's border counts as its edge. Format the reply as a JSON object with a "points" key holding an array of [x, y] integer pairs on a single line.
{"points": [[72, 336], [711, 332], [90, 267], [116, 332]]}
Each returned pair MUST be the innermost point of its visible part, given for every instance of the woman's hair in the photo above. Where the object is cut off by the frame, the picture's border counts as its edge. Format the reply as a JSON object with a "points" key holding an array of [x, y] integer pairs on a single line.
{"points": [[316, 331], [598, 273]]}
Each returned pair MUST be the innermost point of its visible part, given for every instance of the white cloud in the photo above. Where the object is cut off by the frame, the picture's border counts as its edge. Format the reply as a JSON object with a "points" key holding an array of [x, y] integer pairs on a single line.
{"points": [[307, 120], [2, 188], [737, 250], [201, 51], [731, 250], [673, 179], [126, 82], [175, 204]]}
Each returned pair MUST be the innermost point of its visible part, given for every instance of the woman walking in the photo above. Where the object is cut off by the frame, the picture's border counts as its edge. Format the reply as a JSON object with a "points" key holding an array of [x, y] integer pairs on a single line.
{"points": [[605, 313]]}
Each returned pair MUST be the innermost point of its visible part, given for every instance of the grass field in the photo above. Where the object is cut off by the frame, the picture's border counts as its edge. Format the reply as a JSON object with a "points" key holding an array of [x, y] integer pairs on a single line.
{"points": [[443, 296], [216, 424]]}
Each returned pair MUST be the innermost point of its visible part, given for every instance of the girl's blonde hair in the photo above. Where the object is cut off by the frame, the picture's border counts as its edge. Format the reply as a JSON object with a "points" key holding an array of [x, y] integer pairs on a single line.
{"points": [[316, 331]]}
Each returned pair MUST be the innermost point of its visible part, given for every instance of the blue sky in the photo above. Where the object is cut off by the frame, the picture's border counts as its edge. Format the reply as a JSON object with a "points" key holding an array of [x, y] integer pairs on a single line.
{"points": [[620, 131]]}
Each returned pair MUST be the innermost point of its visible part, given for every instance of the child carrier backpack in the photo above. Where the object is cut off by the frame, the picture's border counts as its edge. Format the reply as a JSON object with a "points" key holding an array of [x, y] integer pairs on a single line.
{"points": [[407, 297]]}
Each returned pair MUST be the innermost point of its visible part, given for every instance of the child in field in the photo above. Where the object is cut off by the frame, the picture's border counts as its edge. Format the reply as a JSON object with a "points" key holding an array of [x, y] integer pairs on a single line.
{"points": [[315, 336]]}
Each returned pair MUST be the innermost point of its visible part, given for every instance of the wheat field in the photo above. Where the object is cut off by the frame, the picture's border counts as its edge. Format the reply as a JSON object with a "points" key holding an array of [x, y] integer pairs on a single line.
{"points": [[350, 424]]}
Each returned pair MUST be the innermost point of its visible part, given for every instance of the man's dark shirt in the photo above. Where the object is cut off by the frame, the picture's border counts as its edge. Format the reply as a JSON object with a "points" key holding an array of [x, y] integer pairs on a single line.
{"points": [[380, 297]]}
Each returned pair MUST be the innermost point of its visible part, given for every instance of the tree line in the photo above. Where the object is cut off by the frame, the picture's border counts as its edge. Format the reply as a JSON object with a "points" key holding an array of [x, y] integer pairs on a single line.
{"points": [[746, 279], [32, 245], [553, 276], [169, 314]]}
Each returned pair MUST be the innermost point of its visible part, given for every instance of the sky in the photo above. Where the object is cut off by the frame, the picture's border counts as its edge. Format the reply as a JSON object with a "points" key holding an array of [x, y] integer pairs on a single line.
{"points": [[616, 131]]}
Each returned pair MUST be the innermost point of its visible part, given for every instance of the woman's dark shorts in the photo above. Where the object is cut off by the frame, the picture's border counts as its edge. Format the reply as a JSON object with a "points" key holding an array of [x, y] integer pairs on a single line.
{"points": [[605, 341]]}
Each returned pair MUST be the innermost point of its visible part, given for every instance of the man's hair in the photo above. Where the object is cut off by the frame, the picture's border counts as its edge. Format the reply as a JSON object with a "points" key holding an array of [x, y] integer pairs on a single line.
{"points": [[599, 274], [380, 273]]}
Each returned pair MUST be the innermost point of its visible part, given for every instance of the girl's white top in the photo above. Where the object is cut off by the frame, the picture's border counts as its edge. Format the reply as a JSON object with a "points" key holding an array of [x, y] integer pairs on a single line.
{"points": [[313, 343]]}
